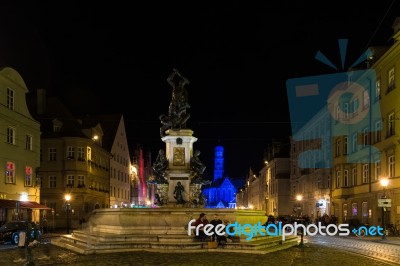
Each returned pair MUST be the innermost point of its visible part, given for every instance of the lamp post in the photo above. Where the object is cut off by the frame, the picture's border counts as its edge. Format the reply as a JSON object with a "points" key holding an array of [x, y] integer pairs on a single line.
{"points": [[52, 213], [67, 207], [384, 182], [299, 198]]}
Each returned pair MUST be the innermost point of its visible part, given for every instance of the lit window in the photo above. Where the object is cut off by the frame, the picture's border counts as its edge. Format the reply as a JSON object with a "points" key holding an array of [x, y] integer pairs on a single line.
{"points": [[10, 173], [28, 176]]}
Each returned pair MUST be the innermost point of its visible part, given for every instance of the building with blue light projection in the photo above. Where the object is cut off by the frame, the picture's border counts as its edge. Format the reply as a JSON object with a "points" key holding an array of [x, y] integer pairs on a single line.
{"points": [[221, 193]]}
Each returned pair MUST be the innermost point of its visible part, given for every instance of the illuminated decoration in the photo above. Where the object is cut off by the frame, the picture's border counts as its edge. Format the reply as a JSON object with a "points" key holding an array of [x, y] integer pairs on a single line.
{"points": [[95, 137], [10, 166], [218, 163], [222, 191], [28, 170], [142, 180], [134, 170]]}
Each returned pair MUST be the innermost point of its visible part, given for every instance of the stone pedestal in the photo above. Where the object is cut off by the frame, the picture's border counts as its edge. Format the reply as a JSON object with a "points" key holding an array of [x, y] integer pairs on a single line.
{"points": [[179, 150]]}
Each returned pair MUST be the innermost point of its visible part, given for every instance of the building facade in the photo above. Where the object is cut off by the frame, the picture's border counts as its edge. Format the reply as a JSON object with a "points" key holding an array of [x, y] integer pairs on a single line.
{"points": [[115, 141], [19, 151], [72, 162]]}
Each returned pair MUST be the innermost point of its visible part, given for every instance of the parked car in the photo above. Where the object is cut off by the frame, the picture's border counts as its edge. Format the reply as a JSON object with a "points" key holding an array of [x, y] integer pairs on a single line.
{"points": [[9, 232]]}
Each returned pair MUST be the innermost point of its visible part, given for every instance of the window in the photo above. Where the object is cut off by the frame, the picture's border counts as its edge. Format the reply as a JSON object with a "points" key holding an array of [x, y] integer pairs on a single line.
{"points": [[346, 110], [10, 173], [390, 125], [365, 99], [355, 107], [365, 137], [28, 142], [345, 212], [378, 131], [345, 178], [364, 210], [52, 181], [81, 181], [52, 154], [11, 135], [345, 145], [10, 99], [89, 153], [81, 153], [377, 169], [337, 113], [28, 176], [378, 89], [391, 79], [391, 166], [338, 147], [56, 128], [70, 180], [70, 152], [337, 179], [354, 210], [354, 143], [354, 174], [365, 178]]}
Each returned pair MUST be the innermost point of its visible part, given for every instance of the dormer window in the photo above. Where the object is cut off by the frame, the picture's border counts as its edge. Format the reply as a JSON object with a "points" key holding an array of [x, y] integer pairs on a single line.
{"points": [[57, 124]]}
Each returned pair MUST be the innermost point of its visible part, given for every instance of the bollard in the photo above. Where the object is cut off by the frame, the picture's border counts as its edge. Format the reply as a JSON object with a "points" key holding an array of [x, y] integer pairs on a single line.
{"points": [[301, 238]]}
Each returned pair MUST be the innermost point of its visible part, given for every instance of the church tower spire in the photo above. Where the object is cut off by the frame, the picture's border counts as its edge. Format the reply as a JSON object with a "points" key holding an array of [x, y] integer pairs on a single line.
{"points": [[218, 162]]}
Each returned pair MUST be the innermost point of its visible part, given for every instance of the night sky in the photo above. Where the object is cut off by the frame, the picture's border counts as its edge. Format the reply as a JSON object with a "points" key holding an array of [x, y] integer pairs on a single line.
{"points": [[115, 57]]}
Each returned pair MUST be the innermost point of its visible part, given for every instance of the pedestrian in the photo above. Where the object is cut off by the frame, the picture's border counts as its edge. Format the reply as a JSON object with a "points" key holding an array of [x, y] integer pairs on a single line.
{"points": [[216, 221], [44, 226], [202, 221]]}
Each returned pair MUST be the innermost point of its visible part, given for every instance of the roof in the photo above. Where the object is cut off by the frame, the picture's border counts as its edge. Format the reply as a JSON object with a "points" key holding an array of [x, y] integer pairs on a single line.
{"points": [[12, 204], [109, 123]]}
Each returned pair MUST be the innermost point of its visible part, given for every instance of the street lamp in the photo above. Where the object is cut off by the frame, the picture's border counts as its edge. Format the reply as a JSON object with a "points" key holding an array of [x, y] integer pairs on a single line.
{"points": [[384, 182], [67, 207], [299, 198]]}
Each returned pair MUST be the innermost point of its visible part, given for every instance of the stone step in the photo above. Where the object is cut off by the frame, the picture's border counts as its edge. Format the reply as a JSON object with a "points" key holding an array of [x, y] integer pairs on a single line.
{"points": [[84, 243]]}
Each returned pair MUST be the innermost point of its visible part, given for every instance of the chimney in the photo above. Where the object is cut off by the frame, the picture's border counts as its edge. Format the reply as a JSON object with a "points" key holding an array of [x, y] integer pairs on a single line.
{"points": [[40, 101]]}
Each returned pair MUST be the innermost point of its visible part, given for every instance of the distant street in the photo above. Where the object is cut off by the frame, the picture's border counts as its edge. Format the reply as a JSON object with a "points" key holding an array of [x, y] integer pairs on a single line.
{"points": [[375, 249]]}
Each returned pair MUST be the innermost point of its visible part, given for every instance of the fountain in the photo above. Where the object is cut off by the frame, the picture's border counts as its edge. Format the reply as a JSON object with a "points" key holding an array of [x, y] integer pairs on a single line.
{"points": [[178, 179]]}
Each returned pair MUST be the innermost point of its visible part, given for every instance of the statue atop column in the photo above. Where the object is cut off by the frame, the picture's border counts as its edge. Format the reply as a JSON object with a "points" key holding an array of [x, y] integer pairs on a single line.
{"points": [[177, 115]]}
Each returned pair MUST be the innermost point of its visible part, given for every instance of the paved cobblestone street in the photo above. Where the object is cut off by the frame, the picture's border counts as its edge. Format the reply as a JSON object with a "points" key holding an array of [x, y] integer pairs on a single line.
{"points": [[311, 254]]}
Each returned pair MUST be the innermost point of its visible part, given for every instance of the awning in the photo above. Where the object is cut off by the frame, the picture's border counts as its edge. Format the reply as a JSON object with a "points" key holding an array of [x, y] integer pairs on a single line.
{"points": [[12, 204], [33, 205]]}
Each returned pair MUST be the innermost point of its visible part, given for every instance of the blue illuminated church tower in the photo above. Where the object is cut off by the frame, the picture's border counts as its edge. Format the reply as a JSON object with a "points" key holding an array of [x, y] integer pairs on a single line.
{"points": [[221, 193]]}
